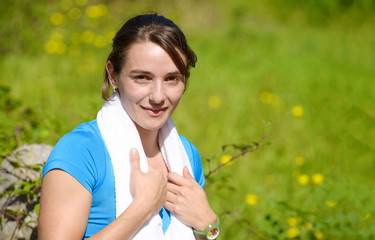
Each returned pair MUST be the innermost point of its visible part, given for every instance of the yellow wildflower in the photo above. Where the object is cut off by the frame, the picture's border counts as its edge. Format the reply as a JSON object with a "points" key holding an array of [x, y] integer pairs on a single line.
{"points": [[292, 232], [100, 41], [318, 234], [251, 199], [266, 97], [317, 178], [65, 4], [303, 179], [368, 215], [225, 158], [96, 11], [307, 226], [55, 47], [292, 221], [81, 2], [300, 161], [331, 204], [88, 37], [297, 111], [57, 18], [74, 13], [61, 48], [273, 99], [214, 102], [51, 46]]}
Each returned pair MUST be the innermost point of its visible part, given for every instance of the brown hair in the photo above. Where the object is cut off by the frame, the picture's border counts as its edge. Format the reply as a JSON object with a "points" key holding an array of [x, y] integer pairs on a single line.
{"points": [[156, 29]]}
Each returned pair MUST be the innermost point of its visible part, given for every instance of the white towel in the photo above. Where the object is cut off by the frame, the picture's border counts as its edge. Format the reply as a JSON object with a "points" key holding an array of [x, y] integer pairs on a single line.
{"points": [[120, 135]]}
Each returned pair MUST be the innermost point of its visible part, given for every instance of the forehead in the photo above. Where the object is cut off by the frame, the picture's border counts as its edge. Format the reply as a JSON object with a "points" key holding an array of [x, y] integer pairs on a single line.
{"points": [[146, 55]]}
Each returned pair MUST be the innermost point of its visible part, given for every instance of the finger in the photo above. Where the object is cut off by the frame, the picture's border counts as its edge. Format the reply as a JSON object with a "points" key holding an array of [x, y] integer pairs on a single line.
{"points": [[134, 160], [186, 173], [176, 178], [173, 188], [171, 197], [169, 206]]}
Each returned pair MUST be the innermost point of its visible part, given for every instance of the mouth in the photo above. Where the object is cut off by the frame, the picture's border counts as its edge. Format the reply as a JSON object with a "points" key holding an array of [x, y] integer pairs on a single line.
{"points": [[154, 112]]}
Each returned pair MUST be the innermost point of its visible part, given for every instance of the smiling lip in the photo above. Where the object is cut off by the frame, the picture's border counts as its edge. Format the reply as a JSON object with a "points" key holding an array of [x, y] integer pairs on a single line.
{"points": [[154, 112]]}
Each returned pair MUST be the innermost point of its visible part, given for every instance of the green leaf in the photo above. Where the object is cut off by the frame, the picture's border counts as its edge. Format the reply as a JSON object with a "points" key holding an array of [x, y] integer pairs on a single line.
{"points": [[36, 209], [26, 223], [241, 147], [28, 186], [19, 191], [13, 212], [15, 164], [35, 167], [25, 213], [21, 183]]}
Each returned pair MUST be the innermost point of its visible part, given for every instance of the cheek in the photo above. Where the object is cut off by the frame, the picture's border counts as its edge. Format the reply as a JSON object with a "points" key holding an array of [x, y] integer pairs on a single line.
{"points": [[130, 93], [176, 95]]}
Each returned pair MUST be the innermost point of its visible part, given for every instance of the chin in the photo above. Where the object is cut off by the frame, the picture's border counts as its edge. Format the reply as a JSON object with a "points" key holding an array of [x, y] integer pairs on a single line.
{"points": [[152, 126]]}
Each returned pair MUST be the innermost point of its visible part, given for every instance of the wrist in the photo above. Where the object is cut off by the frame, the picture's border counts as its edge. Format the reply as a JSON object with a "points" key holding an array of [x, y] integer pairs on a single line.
{"points": [[208, 219], [143, 207], [212, 231]]}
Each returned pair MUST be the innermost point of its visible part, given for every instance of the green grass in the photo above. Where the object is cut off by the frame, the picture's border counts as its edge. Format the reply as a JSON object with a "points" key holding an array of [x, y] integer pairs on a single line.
{"points": [[243, 51]]}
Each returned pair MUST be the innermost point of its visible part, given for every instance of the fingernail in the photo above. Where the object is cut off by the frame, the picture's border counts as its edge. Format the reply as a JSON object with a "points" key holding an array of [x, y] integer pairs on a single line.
{"points": [[133, 151]]}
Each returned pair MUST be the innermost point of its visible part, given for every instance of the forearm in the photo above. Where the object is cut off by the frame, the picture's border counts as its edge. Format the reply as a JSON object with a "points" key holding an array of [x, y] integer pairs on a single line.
{"points": [[126, 224]]}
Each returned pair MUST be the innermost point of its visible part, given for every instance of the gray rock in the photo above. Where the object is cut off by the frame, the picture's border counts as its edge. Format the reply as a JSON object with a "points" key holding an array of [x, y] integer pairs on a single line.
{"points": [[26, 155]]}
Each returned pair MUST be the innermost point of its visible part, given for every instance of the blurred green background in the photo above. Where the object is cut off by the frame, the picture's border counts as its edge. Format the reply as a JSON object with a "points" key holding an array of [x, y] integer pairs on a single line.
{"points": [[302, 70]]}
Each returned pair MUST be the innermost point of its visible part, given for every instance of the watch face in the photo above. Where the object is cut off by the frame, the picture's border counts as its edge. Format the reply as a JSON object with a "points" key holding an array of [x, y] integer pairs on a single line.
{"points": [[213, 233]]}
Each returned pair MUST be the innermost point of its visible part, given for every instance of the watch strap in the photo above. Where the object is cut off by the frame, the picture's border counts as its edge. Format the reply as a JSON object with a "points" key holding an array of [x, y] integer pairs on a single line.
{"points": [[210, 232]]}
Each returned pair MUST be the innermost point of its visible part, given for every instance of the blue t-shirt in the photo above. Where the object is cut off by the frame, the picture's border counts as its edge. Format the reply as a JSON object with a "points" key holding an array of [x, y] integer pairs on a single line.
{"points": [[82, 153]]}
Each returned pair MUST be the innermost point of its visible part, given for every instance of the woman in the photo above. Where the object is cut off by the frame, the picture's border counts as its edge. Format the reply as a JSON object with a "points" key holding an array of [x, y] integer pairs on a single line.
{"points": [[128, 174]]}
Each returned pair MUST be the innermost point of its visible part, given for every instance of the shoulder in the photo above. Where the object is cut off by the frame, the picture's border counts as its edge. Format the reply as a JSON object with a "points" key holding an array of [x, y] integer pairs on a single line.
{"points": [[80, 153], [83, 133], [85, 136]]}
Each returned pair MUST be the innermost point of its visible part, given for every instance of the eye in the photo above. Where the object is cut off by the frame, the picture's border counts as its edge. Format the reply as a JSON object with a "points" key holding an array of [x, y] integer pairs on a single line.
{"points": [[141, 78], [173, 79]]}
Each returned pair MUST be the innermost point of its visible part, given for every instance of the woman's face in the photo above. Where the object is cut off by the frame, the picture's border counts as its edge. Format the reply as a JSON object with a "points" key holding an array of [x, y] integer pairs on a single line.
{"points": [[150, 85]]}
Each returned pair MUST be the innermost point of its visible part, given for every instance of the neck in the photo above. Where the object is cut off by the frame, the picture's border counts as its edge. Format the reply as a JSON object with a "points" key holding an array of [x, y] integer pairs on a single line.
{"points": [[149, 139]]}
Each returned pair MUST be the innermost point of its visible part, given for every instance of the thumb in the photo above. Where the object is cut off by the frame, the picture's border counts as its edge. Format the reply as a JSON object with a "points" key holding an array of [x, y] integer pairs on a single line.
{"points": [[186, 173], [134, 160]]}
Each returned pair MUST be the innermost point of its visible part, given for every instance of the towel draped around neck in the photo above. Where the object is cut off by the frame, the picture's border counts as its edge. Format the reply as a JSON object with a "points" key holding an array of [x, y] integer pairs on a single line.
{"points": [[120, 135]]}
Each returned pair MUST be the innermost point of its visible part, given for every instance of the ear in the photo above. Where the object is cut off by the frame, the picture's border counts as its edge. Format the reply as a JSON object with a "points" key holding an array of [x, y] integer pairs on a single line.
{"points": [[111, 74]]}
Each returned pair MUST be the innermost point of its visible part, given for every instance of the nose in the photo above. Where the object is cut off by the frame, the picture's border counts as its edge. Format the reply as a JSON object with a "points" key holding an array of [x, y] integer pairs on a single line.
{"points": [[157, 94]]}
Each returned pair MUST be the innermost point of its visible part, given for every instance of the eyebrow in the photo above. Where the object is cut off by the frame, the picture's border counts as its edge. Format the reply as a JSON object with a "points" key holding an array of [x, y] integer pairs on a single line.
{"points": [[147, 72], [139, 72]]}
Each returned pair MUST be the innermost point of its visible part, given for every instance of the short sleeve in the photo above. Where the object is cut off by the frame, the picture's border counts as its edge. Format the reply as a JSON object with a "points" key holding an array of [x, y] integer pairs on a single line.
{"points": [[195, 160], [75, 154]]}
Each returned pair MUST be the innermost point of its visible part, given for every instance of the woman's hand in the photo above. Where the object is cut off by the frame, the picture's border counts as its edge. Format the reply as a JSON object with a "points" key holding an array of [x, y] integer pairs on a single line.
{"points": [[187, 200], [149, 188]]}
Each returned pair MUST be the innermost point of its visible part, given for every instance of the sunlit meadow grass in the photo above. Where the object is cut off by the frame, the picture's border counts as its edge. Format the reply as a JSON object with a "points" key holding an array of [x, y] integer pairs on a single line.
{"points": [[311, 86]]}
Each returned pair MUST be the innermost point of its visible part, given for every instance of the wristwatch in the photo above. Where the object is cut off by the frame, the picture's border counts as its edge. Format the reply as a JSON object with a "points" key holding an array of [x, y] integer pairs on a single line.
{"points": [[212, 231]]}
